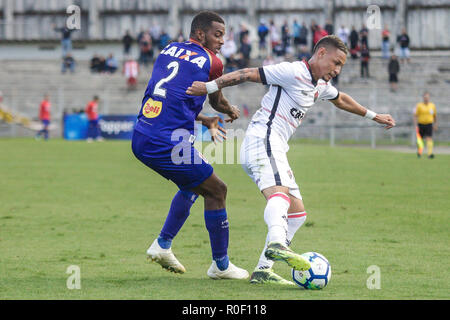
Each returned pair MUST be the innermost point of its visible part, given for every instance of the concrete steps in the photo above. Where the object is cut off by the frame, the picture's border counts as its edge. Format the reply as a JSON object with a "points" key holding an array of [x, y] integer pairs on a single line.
{"points": [[24, 83]]}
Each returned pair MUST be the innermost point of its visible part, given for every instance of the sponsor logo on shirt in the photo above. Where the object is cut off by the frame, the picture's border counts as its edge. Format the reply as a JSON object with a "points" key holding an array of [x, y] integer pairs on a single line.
{"points": [[297, 114], [187, 55], [152, 108]]}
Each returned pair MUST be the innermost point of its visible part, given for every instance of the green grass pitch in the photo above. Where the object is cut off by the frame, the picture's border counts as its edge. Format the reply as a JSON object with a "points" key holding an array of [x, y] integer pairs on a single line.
{"points": [[95, 206]]}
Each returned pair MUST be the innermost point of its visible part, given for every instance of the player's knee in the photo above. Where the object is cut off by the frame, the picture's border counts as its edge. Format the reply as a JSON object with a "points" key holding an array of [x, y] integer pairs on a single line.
{"points": [[221, 191]]}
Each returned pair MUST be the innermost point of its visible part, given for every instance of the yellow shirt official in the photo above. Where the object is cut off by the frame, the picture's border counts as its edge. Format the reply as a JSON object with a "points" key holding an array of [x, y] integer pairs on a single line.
{"points": [[425, 113]]}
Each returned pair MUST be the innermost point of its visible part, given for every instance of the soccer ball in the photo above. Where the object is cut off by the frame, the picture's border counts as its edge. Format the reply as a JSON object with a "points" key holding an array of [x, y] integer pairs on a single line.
{"points": [[317, 277]]}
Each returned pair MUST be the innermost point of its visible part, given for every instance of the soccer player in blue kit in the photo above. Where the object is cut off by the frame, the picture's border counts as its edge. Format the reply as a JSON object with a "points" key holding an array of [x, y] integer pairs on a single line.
{"points": [[164, 135]]}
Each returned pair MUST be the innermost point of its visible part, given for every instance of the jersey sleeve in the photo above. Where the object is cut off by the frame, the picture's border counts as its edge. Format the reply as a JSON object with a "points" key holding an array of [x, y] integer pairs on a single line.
{"points": [[330, 93], [216, 70], [277, 74]]}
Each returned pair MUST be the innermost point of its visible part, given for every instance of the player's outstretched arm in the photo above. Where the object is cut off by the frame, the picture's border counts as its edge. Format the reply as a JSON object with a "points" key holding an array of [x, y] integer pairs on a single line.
{"points": [[199, 88], [347, 103]]}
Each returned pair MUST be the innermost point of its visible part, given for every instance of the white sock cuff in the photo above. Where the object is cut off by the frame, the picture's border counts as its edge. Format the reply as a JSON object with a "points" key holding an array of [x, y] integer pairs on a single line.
{"points": [[280, 195], [297, 215]]}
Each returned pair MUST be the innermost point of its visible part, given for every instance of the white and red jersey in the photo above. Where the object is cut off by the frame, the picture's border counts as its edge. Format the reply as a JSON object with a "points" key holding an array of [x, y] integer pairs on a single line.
{"points": [[292, 93], [131, 69]]}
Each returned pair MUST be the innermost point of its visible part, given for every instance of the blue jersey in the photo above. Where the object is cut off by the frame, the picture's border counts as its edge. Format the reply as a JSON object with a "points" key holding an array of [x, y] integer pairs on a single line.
{"points": [[166, 106]]}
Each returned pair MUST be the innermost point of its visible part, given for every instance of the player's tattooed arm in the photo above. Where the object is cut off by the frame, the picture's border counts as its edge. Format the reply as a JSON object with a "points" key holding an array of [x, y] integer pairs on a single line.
{"points": [[198, 88], [238, 77]]}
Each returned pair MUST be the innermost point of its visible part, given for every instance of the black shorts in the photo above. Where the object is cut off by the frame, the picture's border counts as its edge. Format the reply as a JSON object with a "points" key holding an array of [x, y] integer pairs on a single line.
{"points": [[426, 130], [393, 77]]}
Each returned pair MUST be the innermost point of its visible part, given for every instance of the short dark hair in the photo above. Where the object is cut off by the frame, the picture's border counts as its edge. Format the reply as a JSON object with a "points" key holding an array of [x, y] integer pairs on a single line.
{"points": [[332, 41], [203, 21]]}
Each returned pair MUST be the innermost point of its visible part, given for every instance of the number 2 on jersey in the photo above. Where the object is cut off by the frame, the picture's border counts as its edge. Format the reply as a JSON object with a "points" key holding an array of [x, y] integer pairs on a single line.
{"points": [[161, 92]]}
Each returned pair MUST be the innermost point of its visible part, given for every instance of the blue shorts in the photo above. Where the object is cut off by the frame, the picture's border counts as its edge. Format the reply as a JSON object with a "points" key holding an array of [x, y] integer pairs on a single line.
{"points": [[46, 123], [182, 164]]}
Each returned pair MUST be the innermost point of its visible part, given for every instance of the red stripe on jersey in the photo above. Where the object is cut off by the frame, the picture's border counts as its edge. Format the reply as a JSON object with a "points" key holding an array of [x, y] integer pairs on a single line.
{"points": [[281, 195], [282, 117], [296, 215]]}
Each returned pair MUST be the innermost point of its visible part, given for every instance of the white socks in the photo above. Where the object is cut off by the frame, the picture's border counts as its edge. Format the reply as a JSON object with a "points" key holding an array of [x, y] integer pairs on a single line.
{"points": [[282, 226], [295, 221], [275, 216]]}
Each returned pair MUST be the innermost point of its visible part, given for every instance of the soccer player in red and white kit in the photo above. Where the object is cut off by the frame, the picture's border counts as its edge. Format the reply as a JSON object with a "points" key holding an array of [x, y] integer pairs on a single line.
{"points": [[44, 117], [294, 89]]}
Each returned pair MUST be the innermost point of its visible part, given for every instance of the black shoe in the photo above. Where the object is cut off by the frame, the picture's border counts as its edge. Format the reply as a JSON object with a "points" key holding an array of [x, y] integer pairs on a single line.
{"points": [[431, 156]]}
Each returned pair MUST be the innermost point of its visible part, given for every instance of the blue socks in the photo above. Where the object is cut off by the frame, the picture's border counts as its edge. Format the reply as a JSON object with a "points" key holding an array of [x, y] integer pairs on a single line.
{"points": [[164, 243], [178, 213], [217, 225], [223, 263], [216, 222]]}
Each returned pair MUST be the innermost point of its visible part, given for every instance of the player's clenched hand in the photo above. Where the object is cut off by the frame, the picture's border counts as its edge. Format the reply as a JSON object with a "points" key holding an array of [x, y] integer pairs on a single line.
{"points": [[218, 134], [385, 119], [198, 88], [234, 114]]}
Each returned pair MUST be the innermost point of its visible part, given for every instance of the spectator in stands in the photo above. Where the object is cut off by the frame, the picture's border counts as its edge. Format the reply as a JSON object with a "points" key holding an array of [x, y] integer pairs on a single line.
{"points": [[131, 72], [343, 33], [385, 44], [365, 58], [111, 64], [92, 115], [164, 40], [313, 27], [354, 43], [319, 33], [245, 50], [44, 117], [140, 35], [304, 53], [102, 65], [68, 63], [285, 37], [66, 40], [329, 27], [403, 41], [393, 70], [146, 49], [127, 41], [155, 33], [229, 50], [296, 28], [95, 64], [243, 31], [275, 39], [364, 36], [263, 31], [304, 35]]}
